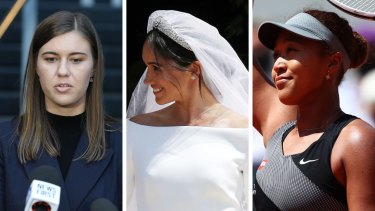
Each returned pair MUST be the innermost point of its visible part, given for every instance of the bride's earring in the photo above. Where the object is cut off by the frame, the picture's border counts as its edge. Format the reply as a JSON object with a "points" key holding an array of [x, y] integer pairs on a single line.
{"points": [[328, 76]]}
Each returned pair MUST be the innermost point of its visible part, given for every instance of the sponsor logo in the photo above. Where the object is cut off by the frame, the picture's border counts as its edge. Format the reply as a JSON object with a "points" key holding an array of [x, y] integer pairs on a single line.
{"points": [[303, 162], [262, 164]]}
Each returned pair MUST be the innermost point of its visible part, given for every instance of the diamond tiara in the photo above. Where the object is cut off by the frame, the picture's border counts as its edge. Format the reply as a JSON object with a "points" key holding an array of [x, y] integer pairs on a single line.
{"points": [[162, 25]]}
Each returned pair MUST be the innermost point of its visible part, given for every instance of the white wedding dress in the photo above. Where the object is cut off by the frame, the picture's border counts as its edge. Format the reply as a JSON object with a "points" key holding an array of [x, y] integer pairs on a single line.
{"points": [[187, 168]]}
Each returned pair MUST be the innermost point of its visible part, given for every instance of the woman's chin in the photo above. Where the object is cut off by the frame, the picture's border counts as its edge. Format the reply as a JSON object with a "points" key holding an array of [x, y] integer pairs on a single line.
{"points": [[287, 101]]}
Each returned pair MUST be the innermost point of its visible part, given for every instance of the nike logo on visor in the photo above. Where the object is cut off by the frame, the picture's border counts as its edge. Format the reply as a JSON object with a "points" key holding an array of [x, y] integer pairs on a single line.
{"points": [[302, 162]]}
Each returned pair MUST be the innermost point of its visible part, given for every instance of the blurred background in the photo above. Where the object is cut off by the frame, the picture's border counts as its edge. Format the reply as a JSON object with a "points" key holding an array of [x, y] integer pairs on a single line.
{"points": [[357, 95], [230, 17], [106, 16]]}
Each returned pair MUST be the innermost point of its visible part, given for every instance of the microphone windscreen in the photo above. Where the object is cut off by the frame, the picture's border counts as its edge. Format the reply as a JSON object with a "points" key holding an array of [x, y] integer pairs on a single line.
{"points": [[44, 191], [47, 174], [102, 204]]}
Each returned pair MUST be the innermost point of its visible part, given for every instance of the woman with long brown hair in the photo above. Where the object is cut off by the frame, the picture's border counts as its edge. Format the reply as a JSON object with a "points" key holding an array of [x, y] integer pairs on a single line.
{"points": [[63, 124]]}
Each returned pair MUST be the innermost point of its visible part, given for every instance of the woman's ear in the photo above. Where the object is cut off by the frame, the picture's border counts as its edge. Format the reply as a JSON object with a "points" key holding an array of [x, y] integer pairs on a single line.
{"points": [[335, 62], [92, 76], [196, 68]]}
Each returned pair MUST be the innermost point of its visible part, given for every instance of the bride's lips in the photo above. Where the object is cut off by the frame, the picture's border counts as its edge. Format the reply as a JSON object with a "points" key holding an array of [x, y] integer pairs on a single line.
{"points": [[157, 90]]}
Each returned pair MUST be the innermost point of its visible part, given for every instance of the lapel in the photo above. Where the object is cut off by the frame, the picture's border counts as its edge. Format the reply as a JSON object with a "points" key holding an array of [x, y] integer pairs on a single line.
{"points": [[82, 176], [45, 159]]}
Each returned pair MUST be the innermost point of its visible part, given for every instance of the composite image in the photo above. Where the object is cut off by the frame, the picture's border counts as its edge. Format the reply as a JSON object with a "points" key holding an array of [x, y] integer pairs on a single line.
{"points": [[233, 105]]}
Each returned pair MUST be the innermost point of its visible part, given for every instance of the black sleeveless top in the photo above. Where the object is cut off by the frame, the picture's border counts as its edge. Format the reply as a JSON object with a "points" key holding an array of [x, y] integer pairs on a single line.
{"points": [[301, 181]]}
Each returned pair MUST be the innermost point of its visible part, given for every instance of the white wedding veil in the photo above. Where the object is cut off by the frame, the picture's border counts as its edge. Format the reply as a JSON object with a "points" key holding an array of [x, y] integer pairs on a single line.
{"points": [[222, 70]]}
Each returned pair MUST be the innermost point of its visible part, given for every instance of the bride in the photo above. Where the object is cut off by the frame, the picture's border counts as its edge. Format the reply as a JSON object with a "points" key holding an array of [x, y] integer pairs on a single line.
{"points": [[187, 132]]}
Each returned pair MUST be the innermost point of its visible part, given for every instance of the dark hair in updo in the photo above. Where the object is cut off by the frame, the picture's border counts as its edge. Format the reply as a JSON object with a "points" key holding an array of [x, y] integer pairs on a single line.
{"points": [[167, 48], [355, 45]]}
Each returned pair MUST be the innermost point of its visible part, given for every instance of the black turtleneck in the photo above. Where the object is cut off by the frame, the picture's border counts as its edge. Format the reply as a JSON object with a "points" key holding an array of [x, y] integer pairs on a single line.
{"points": [[69, 130]]}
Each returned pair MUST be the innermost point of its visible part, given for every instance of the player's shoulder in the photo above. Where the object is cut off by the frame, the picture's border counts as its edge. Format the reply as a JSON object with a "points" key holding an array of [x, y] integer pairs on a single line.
{"points": [[358, 135]]}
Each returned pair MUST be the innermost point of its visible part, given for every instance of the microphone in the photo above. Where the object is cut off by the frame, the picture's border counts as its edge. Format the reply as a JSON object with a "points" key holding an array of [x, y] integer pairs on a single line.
{"points": [[44, 191], [102, 204]]}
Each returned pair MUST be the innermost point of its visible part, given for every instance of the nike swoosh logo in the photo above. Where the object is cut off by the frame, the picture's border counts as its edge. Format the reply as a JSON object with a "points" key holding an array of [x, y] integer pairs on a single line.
{"points": [[302, 162]]}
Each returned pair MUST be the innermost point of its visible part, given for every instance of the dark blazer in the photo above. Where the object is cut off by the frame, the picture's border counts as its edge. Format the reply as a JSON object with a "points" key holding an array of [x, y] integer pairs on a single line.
{"points": [[84, 182]]}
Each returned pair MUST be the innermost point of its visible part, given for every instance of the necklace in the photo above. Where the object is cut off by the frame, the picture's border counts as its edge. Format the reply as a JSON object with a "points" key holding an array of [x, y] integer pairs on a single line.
{"points": [[321, 127], [209, 116]]}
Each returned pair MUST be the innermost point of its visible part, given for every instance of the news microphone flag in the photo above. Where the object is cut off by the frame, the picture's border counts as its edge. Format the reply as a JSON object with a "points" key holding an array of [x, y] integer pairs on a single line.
{"points": [[44, 191], [43, 194]]}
